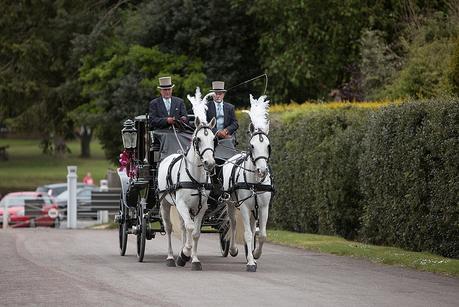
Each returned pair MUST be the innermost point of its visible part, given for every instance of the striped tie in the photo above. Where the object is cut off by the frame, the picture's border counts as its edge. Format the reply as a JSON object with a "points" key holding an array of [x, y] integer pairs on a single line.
{"points": [[167, 102]]}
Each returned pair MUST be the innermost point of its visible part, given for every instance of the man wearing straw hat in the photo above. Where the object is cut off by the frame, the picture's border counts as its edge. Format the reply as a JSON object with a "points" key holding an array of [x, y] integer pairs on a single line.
{"points": [[166, 110], [222, 111]]}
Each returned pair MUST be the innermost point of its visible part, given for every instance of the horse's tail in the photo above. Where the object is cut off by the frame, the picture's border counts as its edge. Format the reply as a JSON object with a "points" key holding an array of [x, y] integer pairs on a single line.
{"points": [[224, 216], [239, 228], [176, 222]]}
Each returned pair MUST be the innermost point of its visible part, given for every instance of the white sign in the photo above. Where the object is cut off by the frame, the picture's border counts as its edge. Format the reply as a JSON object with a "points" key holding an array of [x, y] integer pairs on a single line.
{"points": [[53, 213]]}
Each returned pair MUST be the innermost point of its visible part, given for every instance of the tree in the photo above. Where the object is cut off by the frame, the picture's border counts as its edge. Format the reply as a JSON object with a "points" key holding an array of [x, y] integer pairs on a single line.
{"points": [[122, 80], [38, 67], [219, 32]]}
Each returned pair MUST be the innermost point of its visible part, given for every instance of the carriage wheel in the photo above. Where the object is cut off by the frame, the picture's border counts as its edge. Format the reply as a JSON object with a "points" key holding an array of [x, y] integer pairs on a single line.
{"points": [[141, 234], [255, 238], [123, 229], [224, 244]]}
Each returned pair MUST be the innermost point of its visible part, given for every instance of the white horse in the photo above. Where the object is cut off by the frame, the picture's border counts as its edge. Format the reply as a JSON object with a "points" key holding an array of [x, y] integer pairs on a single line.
{"points": [[183, 181], [248, 182]]}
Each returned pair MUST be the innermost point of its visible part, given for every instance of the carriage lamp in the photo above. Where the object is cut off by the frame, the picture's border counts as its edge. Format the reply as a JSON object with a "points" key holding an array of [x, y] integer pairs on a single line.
{"points": [[129, 134]]}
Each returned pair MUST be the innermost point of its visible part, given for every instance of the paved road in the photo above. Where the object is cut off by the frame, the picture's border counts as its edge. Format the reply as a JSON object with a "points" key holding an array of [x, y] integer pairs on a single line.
{"points": [[42, 267]]}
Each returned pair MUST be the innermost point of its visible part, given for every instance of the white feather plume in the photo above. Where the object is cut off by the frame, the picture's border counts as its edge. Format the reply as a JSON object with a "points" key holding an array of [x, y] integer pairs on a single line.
{"points": [[199, 105], [259, 110]]}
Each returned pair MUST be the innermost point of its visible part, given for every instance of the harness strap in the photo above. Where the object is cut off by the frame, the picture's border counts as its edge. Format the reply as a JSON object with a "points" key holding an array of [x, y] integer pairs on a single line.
{"points": [[193, 184], [254, 187], [257, 187], [169, 170]]}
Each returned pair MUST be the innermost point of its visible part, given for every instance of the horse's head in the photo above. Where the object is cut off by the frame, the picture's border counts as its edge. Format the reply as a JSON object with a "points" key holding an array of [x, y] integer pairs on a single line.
{"points": [[260, 152], [204, 143]]}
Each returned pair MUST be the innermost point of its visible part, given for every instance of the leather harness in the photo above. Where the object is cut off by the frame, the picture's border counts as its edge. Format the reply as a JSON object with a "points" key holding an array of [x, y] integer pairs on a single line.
{"points": [[254, 187], [193, 184]]}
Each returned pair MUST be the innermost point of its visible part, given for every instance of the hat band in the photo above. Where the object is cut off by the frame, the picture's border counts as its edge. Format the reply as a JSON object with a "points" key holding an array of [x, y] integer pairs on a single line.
{"points": [[166, 86]]}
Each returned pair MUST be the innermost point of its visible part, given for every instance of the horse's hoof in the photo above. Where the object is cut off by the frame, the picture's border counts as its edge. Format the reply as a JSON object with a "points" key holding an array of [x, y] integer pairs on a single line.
{"points": [[251, 267], [184, 257], [256, 255], [180, 261], [196, 266], [234, 253], [170, 263]]}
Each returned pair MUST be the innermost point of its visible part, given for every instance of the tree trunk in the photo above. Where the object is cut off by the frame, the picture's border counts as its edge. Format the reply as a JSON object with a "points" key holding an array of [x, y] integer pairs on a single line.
{"points": [[85, 139]]}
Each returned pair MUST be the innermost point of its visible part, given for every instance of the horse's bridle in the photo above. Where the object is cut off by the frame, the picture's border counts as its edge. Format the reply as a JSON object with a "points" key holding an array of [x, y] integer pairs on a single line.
{"points": [[260, 134], [197, 140]]}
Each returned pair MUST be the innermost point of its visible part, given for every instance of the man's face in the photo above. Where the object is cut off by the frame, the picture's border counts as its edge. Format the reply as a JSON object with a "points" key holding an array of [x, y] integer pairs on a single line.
{"points": [[219, 96], [166, 92]]}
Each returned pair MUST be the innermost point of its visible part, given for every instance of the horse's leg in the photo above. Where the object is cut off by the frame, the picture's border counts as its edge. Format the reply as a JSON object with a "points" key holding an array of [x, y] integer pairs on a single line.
{"points": [[195, 263], [166, 215], [263, 219], [182, 226], [231, 209], [248, 237], [253, 227], [185, 254]]}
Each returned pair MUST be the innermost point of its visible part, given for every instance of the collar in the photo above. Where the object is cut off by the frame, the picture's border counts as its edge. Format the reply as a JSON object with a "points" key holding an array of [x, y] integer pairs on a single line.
{"points": [[217, 103]]}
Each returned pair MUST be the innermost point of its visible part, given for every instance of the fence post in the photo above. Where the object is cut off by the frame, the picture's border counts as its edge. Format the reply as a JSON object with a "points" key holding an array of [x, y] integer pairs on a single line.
{"points": [[5, 216], [102, 216], [71, 201]]}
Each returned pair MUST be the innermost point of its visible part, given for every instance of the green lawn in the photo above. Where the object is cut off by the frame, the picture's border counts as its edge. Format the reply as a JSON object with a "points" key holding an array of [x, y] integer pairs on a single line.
{"points": [[28, 168], [378, 254]]}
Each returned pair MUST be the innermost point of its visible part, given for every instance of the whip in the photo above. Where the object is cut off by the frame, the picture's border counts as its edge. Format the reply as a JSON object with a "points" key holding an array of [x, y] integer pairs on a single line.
{"points": [[253, 79]]}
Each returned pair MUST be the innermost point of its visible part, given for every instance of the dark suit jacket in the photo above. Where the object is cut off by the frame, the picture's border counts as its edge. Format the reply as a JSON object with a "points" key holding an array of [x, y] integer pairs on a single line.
{"points": [[230, 121], [158, 112]]}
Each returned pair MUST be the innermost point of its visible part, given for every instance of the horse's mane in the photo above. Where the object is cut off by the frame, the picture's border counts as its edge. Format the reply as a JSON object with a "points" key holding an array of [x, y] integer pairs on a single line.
{"points": [[259, 109], [199, 105]]}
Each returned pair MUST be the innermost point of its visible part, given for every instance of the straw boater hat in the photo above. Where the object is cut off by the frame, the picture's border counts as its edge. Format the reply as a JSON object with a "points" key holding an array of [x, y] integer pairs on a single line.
{"points": [[165, 83], [218, 86]]}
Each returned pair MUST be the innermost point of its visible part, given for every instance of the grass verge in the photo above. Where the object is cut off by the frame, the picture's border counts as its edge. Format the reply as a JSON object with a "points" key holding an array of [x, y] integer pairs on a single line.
{"points": [[378, 254]]}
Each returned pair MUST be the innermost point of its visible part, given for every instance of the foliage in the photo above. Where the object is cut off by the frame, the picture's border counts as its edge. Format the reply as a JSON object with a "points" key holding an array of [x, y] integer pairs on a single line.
{"points": [[425, 73], [378, 63], [122, 82], [453, 72], [314, 41], [38, 74], [215, 31], [382, 174], [316, 149], [409, 174]]}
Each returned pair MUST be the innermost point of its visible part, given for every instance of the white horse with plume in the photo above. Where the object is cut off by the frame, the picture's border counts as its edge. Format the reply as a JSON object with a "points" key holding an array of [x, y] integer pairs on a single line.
{"points": [[183, 181], [248, 183]]}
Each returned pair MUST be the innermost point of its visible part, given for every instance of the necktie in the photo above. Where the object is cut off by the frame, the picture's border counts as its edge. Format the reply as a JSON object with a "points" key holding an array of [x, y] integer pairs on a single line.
{"points": [[220, 111], [168, 105], [220, 116]]}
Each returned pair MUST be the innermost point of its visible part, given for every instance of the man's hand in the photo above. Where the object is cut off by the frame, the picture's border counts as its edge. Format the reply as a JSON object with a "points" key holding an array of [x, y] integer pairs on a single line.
{"points": [[183, 119], [170, 120], [223, 134]]}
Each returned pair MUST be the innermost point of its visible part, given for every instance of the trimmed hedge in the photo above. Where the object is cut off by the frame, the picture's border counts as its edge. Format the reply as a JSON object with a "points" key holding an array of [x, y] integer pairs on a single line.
{"points": [[316, 176], [409, 175], [386, 176]]}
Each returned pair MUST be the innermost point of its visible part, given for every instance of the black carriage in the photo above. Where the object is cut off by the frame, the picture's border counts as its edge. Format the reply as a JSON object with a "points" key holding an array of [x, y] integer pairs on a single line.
{"points": [[139, 209]]}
